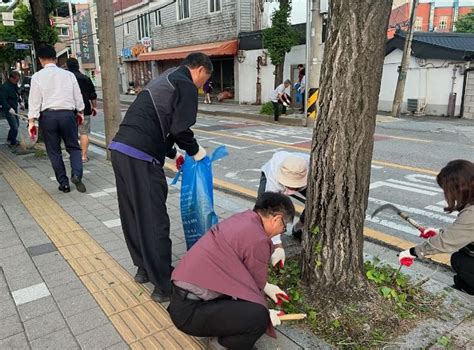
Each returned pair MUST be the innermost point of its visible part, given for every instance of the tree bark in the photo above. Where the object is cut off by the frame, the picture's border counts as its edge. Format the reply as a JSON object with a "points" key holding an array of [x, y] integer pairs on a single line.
{"points": [[40, 18], [342, 146], [279, 73]]}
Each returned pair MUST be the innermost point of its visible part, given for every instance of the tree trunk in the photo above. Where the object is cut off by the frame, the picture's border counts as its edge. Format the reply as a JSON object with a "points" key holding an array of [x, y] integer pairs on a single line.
{"points": [[40, 18], [342, 146], [279, 73]]}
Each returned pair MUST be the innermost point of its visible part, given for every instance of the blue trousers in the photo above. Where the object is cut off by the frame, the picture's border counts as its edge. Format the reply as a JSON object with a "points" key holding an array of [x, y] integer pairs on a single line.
{"points": [[14, 124], [57, 126]]}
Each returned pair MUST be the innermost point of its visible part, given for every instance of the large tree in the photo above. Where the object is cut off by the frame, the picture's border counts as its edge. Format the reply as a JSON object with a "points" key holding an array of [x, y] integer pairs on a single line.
{"points": [[342, 147], [280, 38], [465, 24], [42, 31]]}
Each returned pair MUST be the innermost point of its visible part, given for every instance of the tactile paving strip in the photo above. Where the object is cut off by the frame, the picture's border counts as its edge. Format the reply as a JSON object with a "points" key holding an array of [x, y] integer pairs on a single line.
{"points": [[142, 323]]}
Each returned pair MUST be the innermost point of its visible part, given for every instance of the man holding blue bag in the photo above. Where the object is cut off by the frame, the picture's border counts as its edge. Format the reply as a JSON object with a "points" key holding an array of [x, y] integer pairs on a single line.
{"points": [[161, 115]]}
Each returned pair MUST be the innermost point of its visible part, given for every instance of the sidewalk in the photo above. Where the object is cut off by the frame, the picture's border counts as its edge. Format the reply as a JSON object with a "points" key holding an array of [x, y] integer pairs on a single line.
{"points": [[66, 274]]}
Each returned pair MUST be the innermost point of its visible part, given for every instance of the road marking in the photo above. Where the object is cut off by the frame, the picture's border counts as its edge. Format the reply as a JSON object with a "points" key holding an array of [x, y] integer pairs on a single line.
{"points": [[302, 138], [404, 138], [392, 225], [417, 177], [201, 124], [439, 210], [31, 293], [378, 184], [235, 175], [299, 148], [110, 190], [269, 150], [444, 218], [376, 166], [228, 145], [406, 183], [98, 194]]}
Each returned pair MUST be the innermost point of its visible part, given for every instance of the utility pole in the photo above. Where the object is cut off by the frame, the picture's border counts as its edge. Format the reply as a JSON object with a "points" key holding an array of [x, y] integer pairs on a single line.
{"points": [[108, 63], [314, 56], [71, 17], [402, 75]]}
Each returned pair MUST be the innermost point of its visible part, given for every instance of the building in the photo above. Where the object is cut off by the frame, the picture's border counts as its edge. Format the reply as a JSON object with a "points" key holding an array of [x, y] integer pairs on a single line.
{"points": [[153, 36], [428, 17], [439, 74]]}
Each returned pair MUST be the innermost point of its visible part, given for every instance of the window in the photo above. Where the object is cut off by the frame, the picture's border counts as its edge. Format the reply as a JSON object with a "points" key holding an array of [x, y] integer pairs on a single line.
{"points": [[418, 24], [214, 6], [157, 15], [143, 26], [127, 28], [443, 22], [63, 31], [183, 9]]}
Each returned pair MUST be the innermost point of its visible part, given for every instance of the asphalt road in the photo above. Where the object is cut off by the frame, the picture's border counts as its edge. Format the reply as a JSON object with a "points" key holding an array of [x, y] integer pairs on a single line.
{"points": [[408, 153]]}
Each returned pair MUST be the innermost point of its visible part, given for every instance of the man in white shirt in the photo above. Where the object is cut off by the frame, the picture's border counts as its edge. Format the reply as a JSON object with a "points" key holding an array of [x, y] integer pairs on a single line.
{"points": [[278, 99], [55, 99]]}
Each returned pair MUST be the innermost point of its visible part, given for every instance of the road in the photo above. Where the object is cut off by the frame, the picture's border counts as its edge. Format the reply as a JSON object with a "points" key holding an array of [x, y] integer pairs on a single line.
{"points": [[408, 153]]}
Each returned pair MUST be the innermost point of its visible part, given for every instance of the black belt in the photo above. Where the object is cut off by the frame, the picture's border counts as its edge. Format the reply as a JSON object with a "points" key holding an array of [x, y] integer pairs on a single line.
{"points": [[57, 110], [185, 294]]}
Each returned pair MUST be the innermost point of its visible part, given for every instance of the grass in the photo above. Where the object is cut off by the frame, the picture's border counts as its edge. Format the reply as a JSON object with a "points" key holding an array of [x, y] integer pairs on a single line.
{"points": [[394, 307], [267, 109]]}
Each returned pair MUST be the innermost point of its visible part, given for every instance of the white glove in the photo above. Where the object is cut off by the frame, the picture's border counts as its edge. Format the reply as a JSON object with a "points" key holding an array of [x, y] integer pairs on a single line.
{"points": [[200, 154], [275, 293], [11, 111], [274, 317], [405, 258], [278, 256]]}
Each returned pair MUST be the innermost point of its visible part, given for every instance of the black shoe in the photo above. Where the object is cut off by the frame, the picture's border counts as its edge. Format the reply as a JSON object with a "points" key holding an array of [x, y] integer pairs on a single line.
{"points": [[79, 185], [64, 188], [159, 297], [141, 276]]}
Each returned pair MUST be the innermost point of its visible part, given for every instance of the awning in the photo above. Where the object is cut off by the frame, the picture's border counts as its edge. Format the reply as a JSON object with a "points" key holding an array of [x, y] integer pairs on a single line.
{"points": [[224, 48]]}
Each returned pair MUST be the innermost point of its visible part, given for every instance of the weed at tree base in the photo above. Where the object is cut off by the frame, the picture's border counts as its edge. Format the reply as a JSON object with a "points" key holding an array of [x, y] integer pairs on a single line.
{"points": [[389, 307]]}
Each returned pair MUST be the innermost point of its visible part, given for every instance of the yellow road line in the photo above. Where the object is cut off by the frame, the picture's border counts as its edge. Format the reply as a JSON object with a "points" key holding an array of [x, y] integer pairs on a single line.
{"points": [[142, 323], [378, 236], [404, 138], [299, 148]]}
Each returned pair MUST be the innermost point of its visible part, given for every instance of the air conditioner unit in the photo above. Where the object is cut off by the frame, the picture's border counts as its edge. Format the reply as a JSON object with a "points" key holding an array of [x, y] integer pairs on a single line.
{"points": [[416, 106]]}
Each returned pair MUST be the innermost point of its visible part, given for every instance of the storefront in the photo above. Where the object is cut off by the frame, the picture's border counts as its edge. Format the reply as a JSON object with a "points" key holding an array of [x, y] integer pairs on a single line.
{"points": [[138, 73]]}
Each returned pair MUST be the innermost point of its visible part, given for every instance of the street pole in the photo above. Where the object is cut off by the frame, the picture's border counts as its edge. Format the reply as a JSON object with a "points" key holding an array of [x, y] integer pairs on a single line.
{"points": [[308, 55], [402, 75], [108, 63], [314, 58]]}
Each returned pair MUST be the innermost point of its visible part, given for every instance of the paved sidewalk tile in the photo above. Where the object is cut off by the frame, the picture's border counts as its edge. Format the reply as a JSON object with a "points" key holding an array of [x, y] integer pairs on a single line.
{"points": [[61, 339], [17, 341], [43, 325], [32, 293]]}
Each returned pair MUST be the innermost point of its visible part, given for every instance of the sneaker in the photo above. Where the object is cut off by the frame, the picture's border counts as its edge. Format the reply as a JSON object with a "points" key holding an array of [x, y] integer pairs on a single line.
{"points": [[64, 188], [79, 185], [141, 276], [159, 297]]}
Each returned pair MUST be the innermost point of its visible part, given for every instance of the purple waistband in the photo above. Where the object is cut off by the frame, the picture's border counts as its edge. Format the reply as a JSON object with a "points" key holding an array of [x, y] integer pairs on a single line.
{"points": [[132, 152]]}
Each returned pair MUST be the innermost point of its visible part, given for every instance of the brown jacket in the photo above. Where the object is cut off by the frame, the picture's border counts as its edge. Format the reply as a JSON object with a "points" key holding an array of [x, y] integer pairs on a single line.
{"points": [[455, 237]]}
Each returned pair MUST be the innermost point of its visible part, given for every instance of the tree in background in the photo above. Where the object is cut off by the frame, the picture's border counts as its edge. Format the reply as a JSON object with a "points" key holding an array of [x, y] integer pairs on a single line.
{"points": [[42, 32], [280, 38], [341, 155], [465, 24]]}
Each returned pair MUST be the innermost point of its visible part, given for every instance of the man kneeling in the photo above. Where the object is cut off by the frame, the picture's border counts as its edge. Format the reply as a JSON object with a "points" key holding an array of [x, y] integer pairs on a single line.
{"points": [[219, 286]]}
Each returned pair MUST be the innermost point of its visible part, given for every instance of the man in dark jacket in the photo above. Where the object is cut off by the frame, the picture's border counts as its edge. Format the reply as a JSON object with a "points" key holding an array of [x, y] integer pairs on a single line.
{"points": [[9, 100], [161, 115], [90, 99]]}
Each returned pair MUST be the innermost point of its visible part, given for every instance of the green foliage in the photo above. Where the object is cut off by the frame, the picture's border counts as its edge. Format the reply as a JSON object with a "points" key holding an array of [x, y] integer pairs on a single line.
{"points": [[281, 37], [444, 341], [267, 109], [465, 24]]}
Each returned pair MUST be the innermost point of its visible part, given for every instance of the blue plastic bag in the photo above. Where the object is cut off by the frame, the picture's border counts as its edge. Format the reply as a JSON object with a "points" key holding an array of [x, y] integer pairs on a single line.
{"points": [[197, 198]]}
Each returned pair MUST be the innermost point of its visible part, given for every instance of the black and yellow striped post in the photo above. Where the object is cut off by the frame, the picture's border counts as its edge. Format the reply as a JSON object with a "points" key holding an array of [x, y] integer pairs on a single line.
{"points": [[312, 99]]}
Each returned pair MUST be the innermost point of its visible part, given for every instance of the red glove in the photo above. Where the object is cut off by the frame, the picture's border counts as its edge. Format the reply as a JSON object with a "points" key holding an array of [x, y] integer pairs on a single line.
{"points": [[79, 119], [179, 162], [33, 132], [94, 112], [428, 232], [405, 258]]}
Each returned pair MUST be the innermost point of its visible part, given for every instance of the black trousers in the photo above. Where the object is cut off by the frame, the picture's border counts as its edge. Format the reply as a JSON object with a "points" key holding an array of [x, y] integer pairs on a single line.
{"points": [[463, 264], [57, 126], [237, 324], [278, 109], [142, 192]]}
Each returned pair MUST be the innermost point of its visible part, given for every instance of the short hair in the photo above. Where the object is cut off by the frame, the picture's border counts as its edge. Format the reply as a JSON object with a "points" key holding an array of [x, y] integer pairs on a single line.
{"points": [[457, 181], [273, 203], [198, 59], [14, 74], [287, 81], [47, 52], [300, 65], [72, 64]]}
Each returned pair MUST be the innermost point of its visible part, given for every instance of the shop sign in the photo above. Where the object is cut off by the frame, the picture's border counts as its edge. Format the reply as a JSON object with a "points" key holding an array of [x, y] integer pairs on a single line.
{"points": [[146, 41], [127, 53], [138, 49]]}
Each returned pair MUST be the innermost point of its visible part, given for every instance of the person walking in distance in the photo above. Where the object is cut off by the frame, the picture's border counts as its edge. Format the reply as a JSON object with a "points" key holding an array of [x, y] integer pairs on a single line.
{"points": [[9, 101], [90, 102], [55, 99], [161, 115], [279, 98]]}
